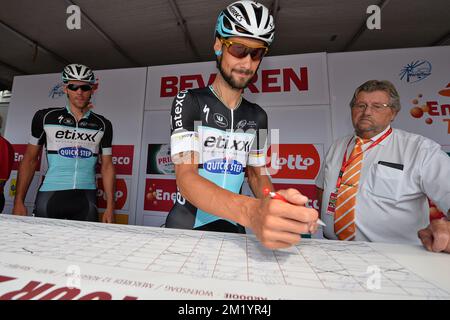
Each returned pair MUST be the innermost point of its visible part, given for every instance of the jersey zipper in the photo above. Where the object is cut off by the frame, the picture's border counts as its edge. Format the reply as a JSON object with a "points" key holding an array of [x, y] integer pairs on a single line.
{"points": [[76, 158], [227, 149]]}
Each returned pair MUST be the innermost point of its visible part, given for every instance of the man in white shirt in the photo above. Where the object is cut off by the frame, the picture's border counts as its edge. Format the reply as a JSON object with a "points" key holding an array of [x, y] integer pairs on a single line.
{"points": [[376, 189]]}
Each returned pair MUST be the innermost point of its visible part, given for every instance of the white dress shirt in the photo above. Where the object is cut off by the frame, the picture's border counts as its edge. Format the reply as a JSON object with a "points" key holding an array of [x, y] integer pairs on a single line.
{"points": [[391, 204]]}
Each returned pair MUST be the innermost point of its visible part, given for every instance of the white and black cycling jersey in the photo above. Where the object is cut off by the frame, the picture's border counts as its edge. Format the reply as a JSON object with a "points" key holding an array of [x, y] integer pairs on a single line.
{"points": [[226, 140]]}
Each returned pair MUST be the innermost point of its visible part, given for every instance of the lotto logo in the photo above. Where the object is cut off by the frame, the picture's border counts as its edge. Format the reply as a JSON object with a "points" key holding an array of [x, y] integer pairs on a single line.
{"points": [[294, 161]]}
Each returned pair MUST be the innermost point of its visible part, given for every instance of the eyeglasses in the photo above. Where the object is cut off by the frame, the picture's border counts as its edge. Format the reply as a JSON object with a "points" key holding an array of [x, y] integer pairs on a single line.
{"points": [[75, 87], [240, 50], [377, 107]]}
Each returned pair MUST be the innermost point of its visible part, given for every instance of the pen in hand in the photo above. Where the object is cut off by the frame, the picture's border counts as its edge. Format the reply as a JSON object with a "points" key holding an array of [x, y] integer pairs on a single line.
{"points": [[278, 196]]}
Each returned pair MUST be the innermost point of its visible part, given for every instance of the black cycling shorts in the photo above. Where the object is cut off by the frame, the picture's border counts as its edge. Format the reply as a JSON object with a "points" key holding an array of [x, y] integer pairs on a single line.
{"points": [[67, 204], [182, 218], [2, 202]]}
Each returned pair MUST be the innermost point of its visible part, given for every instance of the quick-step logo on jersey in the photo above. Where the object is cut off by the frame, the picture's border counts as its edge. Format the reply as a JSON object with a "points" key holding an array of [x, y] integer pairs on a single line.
{"points": [[74, 152], [223, 166]]}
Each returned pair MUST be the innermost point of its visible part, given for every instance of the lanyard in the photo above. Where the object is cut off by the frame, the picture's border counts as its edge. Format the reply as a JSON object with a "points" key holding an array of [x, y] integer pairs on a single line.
{"points": [[345, 162]]}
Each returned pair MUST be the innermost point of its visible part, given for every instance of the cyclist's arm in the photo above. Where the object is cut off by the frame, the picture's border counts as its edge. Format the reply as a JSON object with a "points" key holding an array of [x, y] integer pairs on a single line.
{"points": [[258, 180], [108, 172], [27, 166], [26, 172], [258, 177], [275, 223], [109, 178], [209, 197]]}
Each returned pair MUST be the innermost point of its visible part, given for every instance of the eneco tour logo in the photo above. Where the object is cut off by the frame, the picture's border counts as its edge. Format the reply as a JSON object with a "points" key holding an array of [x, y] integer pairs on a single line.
{"points": [[415, 71], [432, 109], [57, 91]]}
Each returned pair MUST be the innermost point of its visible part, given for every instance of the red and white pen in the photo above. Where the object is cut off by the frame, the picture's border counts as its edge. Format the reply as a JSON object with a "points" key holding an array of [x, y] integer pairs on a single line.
{"points": [[278, 196]]}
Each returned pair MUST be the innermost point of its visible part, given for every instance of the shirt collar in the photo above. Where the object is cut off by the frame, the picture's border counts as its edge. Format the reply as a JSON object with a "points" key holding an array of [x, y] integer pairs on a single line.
{"points": [[383, 142]]}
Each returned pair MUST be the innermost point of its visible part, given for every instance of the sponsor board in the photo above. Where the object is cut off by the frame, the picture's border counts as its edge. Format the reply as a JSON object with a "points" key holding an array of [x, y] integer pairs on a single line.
{"points": [[122, 158], [121, 194], [159, 160], [160, 194], [294, 161]]}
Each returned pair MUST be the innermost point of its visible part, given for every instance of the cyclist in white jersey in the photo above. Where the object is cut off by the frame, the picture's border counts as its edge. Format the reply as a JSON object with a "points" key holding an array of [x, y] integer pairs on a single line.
{"points": [[74, 138], [215, 139]]}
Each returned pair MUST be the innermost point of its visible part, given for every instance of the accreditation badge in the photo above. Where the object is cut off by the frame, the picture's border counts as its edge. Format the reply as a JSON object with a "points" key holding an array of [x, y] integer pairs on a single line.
{"points": [[332, 203]]}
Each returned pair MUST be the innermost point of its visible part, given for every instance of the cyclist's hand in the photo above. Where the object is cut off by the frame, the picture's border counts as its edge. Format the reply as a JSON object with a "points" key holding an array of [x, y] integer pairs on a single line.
{"points": [[19, 209], [108, 216], [278, 224]]}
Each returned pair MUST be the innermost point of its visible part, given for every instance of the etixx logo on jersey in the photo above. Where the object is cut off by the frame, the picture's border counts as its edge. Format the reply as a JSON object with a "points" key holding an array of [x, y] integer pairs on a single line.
{"points": [[76, 135]]}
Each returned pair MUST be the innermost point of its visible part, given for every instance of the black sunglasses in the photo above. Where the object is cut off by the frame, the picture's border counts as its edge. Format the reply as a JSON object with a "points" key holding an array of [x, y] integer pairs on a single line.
{"points": [[75, 87]]}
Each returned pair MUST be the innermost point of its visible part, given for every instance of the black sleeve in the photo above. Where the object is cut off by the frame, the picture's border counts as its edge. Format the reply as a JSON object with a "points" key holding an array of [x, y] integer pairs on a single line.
{"points": [[106, 143], [184, 112], [257, 155], [37, 128]]}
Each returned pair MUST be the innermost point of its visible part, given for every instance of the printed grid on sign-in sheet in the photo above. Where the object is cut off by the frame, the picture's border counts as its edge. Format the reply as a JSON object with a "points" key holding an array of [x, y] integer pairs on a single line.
{"points": [[316, 264]]}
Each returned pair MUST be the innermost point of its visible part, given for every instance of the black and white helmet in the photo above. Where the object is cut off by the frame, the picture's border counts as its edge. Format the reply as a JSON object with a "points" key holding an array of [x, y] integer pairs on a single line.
{"points": [[246, 19], [78, 72]]}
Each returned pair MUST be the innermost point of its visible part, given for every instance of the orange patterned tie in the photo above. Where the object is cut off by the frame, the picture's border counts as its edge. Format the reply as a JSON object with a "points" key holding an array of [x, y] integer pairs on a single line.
{"points": [[344, 217]]}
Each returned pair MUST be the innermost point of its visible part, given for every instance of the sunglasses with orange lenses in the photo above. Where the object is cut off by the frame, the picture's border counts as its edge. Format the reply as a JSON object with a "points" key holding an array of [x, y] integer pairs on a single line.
{"points": [[240, 50]]}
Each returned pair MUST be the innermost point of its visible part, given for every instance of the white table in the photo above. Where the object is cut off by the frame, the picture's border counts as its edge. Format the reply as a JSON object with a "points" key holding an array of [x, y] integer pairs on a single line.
{"points": [[57, 259]]}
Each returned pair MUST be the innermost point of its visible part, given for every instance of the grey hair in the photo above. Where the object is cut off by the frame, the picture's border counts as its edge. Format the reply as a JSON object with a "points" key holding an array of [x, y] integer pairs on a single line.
{"points": [[380, 85]]}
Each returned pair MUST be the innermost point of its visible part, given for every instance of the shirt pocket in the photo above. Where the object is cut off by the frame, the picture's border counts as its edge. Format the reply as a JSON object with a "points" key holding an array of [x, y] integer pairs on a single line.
{"points": [[386, 181]]}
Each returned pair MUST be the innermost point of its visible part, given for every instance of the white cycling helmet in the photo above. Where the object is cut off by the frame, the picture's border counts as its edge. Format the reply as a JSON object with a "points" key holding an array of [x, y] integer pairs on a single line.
{"points": [[246, 19], [78, 72]]}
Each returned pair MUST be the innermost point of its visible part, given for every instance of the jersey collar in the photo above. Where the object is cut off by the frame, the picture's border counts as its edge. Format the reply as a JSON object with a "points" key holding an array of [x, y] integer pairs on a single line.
{"points": [[218, 98], [85, 115]]}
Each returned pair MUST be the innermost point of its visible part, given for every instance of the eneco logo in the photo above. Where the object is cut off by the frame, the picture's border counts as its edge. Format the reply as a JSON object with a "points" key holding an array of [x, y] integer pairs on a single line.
{"points": [[434, 110], [160, 194], [122, 158], [293, 161]]}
